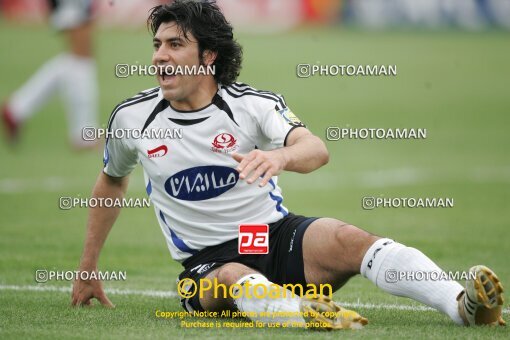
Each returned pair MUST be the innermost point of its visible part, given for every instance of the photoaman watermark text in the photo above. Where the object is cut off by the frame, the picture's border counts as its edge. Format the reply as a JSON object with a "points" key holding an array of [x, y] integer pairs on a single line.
{"points": [[187, 288]]}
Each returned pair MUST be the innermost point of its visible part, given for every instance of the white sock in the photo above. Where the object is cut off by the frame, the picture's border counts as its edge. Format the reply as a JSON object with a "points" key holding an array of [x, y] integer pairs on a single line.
{"points": [[79, 90], [386, 260], [271, 306], [38, 89]]}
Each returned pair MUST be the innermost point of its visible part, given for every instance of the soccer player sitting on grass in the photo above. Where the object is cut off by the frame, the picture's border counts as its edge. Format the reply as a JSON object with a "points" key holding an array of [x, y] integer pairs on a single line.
{"points": [[235, 141]]}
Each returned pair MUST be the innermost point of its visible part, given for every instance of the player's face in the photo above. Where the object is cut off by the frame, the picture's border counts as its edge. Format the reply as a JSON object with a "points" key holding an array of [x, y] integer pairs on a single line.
{"points": [[172, 48]]}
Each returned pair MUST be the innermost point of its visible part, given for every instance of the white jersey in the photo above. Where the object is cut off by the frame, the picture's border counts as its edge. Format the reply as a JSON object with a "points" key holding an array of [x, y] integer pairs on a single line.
{"points": [[192, 182]]}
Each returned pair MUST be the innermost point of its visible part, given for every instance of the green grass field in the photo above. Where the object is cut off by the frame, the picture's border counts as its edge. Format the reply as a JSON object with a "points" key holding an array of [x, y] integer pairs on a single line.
{"points": [[454, 84]]}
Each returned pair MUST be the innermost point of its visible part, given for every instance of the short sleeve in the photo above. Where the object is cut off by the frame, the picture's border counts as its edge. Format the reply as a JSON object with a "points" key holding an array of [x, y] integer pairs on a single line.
{"points": [[276, 125], [119, 159]]}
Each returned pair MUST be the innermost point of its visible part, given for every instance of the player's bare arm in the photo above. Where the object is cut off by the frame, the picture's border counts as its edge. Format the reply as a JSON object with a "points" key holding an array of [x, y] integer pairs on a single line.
{"points": [[303, 153], [100, 222]]}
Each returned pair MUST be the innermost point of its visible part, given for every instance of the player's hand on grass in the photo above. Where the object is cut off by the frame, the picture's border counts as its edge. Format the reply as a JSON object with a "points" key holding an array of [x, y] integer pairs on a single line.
{"points": [[259, 163], [85, 290]]}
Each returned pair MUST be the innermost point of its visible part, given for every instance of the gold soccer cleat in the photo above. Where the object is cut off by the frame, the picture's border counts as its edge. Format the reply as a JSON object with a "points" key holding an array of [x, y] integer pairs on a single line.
{"points": [[321, 313], [481, 302]]}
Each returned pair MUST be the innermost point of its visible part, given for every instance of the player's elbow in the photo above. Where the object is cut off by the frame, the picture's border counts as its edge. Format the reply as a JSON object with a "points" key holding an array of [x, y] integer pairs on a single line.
{"points": [[320, 157], [322, 154], [324, 157]]}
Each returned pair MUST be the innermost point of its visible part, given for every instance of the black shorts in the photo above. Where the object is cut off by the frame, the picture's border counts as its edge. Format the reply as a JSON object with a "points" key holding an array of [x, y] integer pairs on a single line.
{"points": [[283, 264]]}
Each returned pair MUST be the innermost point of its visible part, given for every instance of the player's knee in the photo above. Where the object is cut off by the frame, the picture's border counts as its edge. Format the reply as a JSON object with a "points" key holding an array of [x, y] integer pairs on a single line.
{"points": [[349, 234], [230, 273], [345, 233], [354, 241]]}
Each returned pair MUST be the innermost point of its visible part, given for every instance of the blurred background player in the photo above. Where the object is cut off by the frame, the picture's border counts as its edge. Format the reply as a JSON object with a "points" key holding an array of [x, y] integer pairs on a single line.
{"points": [[73, 73]]}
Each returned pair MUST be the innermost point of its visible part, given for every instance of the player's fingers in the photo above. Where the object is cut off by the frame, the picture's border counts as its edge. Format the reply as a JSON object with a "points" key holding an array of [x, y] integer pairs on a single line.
{"points": [[82, 301], [267, 178], [246, 160], [77, 300], [258, 172], [243, 164], [254, 164], [104, 300], [74, 295], [238, 157]]}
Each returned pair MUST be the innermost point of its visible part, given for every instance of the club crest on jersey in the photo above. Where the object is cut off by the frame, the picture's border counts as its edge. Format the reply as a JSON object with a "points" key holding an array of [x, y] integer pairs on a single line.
{"points": [[224, 143], [201, 182], [160, 151], [290, 117]]}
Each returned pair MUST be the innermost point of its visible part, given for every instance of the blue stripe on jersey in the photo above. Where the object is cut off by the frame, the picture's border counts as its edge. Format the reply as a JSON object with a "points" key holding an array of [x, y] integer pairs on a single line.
{"points": [[149, 188], [176, 240], [278, 200], [106, 155]]}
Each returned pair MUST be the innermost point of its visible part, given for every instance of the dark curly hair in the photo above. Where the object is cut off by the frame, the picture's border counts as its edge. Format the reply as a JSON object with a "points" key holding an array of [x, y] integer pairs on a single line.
{"points": [[205, 21]]}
